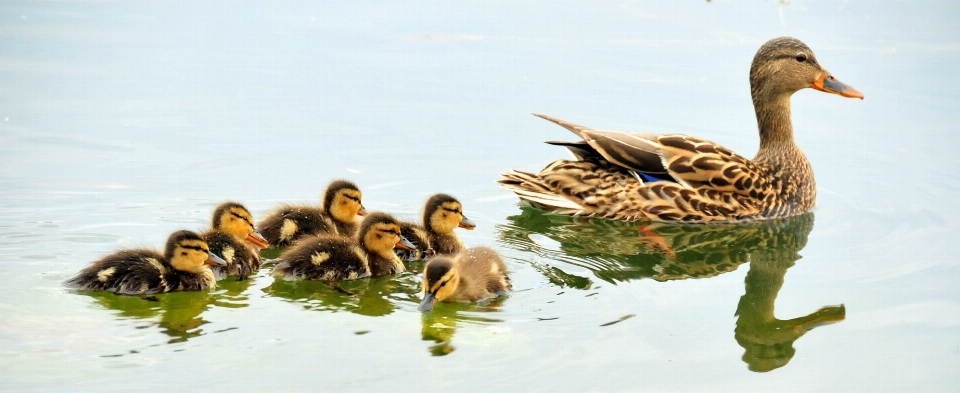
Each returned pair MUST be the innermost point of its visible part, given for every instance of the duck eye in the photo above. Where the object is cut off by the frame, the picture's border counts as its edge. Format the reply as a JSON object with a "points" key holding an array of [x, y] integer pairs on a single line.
{"points": [[443, 284], [801, 57]]}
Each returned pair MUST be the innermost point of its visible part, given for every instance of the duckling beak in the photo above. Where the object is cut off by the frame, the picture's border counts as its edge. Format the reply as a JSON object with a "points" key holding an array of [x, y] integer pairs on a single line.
{"points": [[214, 260], [829, 84], [257, 239], [427, 303], [465, 223], [362, 212], [404, 244]]}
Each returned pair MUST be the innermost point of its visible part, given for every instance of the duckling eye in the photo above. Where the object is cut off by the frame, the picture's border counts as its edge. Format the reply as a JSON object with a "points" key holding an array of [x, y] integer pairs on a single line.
{"points": [[801, 57], [242, 218], [443, 284]]}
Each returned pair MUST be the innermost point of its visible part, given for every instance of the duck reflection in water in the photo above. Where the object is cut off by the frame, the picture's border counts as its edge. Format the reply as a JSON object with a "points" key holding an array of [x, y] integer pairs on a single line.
{"points": [[768, 341], [371, 297], [440, 324], [177, 314], [619, 251]]}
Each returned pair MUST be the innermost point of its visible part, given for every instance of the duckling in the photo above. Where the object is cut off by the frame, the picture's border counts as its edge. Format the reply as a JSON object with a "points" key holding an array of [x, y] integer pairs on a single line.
{"points": [[334, 258], [419, 238], [441, 215], [336, 216], [380, 235], [475, 274], [234, 239], [181, 267]]}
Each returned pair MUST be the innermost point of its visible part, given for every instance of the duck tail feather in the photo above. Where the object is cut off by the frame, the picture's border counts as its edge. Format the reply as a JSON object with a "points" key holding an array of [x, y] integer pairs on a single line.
{"points": [[574, 128]]}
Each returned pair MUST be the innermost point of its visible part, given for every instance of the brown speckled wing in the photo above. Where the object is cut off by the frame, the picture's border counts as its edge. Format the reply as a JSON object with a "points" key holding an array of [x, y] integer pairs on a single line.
{"points": [[698, 163], [712, 182]]}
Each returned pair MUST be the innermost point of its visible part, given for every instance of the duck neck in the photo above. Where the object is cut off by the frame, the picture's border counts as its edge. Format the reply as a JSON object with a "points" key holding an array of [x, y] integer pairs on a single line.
{"points": [[391, 257], [776, 127]]}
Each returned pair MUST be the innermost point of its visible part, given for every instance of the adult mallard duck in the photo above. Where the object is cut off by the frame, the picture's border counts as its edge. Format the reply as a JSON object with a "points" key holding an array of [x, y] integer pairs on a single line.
{"points": [[645, 176], [475, 274], [334, 258], [337, 215], [181, 267], [233, 238]]}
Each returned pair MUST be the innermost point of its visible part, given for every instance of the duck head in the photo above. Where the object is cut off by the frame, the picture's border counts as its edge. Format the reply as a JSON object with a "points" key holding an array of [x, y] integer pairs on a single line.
{"points": [[187, 252], [444, 213], [342, 200], [440, 281], [785, 65], [234, 219], [380, 234]]}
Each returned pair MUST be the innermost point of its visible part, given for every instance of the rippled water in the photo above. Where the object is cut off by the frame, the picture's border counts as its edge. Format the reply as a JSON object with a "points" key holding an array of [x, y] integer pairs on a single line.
{"points": [[122, 122]]}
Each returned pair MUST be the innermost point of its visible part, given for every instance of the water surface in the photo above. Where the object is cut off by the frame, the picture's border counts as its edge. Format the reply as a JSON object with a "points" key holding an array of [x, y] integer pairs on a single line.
{"points": [[121, 122]]}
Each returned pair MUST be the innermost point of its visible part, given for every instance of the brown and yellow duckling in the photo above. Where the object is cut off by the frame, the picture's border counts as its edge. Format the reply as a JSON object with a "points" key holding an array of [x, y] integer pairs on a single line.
{"points": [[475, 274], [337, 216], [183, 266], [334, 258], [441, 215], [646, 176], [234, 239]]}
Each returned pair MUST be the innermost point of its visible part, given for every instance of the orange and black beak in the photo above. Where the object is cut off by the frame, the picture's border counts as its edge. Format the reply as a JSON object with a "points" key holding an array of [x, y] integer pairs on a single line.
{"points": [[829, 84], [465, 223], [362, 212], [214, 260], [404, 244], [257, 239]]}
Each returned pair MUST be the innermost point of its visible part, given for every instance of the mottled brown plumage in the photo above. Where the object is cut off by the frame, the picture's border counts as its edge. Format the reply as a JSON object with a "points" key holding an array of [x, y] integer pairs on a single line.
{"points": [[182, 267], [420, 239], [336, 216], [703, 181], [325, 258], [234, 239], [334, 258], [472, 275], [442, 214]]}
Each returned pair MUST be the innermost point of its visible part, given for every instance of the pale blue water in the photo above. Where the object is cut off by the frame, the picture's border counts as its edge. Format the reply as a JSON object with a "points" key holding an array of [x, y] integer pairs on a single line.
{"points": [[123, 121]]}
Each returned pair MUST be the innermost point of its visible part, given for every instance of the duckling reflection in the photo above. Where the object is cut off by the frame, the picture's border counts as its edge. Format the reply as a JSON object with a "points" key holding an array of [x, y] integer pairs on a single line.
{"points": [[177, 314], [371, 297], [440, 325], [621, 251]]}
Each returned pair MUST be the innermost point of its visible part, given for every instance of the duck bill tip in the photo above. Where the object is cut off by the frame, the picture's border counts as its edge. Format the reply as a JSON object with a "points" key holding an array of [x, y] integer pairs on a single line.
{"points": [[829, 84], [404, 244], [214, 260], [258, 240], [465, 223], [429, 300]]}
